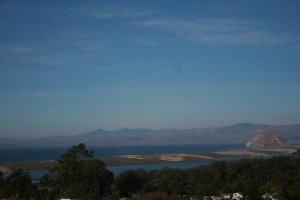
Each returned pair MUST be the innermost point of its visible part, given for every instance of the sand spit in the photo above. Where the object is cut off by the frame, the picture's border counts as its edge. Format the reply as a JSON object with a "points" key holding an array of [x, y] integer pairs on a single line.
{"points": [[156, 158], [182, 157], [167, 157], [242, 152], [279, 150], [257, 152], [134, 156], [4, 169]]}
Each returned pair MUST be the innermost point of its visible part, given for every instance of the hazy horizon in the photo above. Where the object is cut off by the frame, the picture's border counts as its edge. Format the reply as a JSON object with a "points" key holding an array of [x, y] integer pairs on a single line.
{"points": [[69, 67], [136, 128]]}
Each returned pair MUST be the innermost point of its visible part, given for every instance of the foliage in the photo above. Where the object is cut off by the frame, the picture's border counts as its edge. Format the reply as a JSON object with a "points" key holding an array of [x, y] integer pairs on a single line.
{"points": [[131, 181], [19, 186], [79, 176], [1, 177], [251, 177]]}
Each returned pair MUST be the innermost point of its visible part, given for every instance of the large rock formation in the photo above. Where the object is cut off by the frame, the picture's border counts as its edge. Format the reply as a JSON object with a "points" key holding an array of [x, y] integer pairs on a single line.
{"points": [[267, 139]]}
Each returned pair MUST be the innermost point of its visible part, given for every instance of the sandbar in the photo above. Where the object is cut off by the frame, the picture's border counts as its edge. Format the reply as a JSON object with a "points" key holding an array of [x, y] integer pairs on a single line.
{"points": [[156, 158]]}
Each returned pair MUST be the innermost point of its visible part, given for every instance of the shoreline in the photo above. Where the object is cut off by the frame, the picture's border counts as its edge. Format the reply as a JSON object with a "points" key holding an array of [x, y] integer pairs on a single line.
{"points": [[157, 158]]}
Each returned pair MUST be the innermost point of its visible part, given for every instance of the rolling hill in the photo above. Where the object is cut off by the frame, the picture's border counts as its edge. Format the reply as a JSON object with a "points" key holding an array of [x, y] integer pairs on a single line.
{"points": [[238, 133]]}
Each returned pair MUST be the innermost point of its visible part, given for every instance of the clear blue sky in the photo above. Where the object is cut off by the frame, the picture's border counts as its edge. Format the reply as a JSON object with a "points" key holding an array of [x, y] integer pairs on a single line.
{"points": [[68, 67]]}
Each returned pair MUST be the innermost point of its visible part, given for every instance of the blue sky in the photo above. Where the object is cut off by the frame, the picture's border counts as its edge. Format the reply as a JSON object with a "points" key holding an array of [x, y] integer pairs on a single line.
{"points": [[68, 67]]}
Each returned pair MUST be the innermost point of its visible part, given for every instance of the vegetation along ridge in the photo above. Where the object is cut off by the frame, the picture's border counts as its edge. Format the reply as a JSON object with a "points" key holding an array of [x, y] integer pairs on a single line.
{"points": [[77, 175]]}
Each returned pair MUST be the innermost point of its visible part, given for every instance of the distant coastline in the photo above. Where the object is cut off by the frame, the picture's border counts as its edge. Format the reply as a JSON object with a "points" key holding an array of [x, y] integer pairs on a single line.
{"points": [[232, 134], [158, 158]]}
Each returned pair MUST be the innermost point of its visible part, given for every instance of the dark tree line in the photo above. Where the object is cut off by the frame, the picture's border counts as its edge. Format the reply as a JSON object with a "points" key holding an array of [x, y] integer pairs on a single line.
{"points": [[18, 185], [79, 176], [251, 177]]}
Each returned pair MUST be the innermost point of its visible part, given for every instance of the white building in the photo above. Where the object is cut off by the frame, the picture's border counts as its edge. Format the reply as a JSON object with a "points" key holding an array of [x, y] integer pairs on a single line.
{"points": [[237, 196]]}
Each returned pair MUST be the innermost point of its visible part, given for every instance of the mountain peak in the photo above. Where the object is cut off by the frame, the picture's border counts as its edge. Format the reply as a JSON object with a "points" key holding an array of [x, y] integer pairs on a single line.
{"points": [[269, 138]]}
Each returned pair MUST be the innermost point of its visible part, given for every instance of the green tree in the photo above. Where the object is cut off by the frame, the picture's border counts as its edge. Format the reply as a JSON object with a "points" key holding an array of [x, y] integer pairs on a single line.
{"points": [[252, 190], [78, 175], [1, 177], [1, 184], [95, 180], [19, 186], [130, 182]]}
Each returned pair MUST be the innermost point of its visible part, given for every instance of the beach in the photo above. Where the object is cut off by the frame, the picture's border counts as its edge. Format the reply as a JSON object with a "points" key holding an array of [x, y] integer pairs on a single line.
{"points": [[132, 159]]}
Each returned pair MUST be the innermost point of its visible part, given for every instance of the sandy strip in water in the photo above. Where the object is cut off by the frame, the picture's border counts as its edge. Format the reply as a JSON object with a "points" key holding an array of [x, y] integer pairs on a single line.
{"points": [[242, 152], [167, 157], [280, 150], [256, 152], [4, 169], [156, 158]]}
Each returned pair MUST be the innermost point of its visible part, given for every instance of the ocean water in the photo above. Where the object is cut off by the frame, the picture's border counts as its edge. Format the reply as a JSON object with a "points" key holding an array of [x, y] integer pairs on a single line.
{"points": [[175, 165], [42, 154], [116, 170], [54, 153]]}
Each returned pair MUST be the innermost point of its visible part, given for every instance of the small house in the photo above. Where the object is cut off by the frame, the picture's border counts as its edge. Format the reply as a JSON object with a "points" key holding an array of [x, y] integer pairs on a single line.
{"points": [[237, 196]]}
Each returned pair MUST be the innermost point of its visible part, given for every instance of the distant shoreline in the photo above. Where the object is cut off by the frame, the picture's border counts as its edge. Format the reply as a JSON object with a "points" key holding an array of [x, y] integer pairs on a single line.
{"points": [[156, 158]]}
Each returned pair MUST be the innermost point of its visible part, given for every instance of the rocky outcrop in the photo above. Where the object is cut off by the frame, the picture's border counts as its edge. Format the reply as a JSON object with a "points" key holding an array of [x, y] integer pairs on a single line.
{"points": [[267, 139]]}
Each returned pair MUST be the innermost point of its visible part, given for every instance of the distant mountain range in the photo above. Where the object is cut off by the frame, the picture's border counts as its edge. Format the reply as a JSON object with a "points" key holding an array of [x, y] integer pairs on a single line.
{"points": [[238, 133]]}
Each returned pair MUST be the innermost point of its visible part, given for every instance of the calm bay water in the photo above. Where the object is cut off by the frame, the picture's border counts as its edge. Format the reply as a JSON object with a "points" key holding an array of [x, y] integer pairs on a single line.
{"points": [[42, 154], [54, 153]]}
